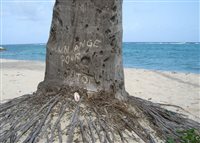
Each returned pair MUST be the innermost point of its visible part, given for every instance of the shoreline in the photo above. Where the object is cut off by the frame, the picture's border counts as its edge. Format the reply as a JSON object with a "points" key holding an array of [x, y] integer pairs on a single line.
{"points": [[137, 68], [21, 77]]}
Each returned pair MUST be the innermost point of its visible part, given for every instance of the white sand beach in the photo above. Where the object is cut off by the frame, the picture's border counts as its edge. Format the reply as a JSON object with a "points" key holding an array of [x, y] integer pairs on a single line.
{"points": [[181, 89]]}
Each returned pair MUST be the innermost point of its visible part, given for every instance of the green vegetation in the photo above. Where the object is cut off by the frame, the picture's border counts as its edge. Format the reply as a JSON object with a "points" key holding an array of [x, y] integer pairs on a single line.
{"points": [[186, 136]]}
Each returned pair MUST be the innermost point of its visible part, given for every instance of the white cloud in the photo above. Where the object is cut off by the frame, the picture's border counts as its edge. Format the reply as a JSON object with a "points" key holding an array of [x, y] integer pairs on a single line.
{"points": [[27, 11]]}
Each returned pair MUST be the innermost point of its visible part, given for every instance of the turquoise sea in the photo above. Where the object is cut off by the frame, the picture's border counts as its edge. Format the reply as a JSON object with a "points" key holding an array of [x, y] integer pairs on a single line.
{"points": [[180, 57]]}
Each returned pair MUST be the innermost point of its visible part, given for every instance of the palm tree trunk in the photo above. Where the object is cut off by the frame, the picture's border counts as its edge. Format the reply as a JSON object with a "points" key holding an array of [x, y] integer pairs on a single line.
{"points": [[85, 47]]}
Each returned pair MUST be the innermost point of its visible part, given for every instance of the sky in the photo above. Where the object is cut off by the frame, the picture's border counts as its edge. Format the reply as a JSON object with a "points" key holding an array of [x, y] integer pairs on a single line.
{"points": [[28, 21]]}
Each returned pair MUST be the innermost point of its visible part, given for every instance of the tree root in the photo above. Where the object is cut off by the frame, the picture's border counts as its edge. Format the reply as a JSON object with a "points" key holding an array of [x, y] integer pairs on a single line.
{"points": [[103, 118], [163, 121]]}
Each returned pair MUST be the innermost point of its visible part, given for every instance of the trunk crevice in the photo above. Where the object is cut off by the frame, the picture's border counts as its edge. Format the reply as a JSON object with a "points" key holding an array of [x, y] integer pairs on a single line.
{"points": [[82, 97]]}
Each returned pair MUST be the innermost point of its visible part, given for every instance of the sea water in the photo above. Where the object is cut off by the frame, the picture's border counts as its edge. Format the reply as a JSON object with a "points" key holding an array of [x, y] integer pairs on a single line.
{"points": [[181, 57]]}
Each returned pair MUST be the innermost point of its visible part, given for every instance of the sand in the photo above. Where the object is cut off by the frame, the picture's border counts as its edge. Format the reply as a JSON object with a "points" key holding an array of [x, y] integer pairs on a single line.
{"points": [[181, 89]]}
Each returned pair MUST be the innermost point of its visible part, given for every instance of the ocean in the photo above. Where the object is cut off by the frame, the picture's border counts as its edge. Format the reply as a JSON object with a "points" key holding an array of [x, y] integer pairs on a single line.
{"points": [[176, 57]]}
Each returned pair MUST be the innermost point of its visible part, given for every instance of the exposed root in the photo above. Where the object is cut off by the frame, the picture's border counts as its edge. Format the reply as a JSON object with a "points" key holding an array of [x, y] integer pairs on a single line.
{"points": [[165, 122], [182, 109], [58, 118]]}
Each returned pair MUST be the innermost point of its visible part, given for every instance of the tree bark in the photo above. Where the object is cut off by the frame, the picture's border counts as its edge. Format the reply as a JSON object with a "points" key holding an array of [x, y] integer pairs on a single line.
{"points": [[84, 58], [85, 47]]}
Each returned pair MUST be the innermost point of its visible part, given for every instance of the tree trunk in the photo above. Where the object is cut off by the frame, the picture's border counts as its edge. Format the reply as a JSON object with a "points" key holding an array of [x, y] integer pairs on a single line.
{"points": [[84, 59], [85, 47]]}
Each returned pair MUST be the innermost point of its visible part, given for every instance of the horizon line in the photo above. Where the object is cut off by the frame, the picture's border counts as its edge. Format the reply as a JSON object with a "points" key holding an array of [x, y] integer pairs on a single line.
{"points": [[122, 41]]}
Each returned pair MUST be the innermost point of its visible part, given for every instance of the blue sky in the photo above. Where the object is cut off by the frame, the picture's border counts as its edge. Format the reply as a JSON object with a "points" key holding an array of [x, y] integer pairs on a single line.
{"points": [[26, 21]]}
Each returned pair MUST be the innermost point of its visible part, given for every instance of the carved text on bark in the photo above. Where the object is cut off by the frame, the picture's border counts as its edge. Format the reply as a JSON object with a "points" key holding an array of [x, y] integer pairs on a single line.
{"points": [[73, 56]]}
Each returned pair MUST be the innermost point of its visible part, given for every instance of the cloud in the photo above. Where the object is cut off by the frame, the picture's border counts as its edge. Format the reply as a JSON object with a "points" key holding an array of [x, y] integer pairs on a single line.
{"points": [[27, 11], [25, 22]]}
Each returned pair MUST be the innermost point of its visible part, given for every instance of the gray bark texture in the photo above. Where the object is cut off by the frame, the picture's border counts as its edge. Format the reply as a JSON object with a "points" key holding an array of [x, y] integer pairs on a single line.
{"points": [[84, 59], [85, 46]]}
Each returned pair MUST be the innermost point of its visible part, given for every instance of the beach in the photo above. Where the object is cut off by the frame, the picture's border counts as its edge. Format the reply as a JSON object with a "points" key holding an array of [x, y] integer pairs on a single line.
{"points": [[164, 87]]}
